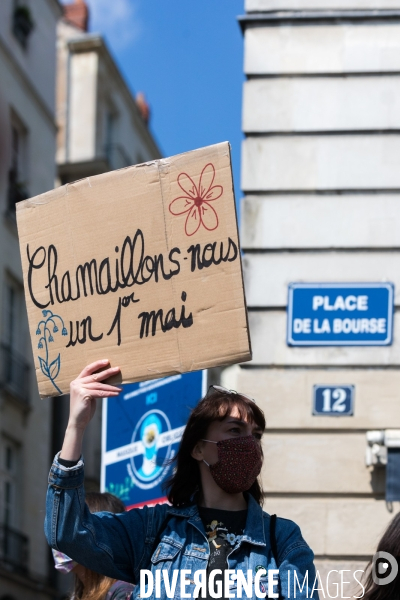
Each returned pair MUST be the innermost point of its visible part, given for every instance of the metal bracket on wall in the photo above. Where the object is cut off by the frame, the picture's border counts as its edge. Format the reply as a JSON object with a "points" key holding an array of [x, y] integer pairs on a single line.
{"points": [[378, 442]]}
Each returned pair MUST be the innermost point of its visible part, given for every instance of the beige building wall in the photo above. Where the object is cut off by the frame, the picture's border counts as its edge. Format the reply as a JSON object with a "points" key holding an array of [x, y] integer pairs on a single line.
{"points": [[321, 180], [27, 168], [100, 125]]}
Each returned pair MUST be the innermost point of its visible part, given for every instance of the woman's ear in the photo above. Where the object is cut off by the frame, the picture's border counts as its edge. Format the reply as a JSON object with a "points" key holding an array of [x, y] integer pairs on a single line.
{"points": [[197, 452]]}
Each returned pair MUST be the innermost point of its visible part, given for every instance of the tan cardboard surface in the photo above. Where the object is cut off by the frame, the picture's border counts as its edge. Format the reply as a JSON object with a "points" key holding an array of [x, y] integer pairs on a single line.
{"points": [[141, 266]]}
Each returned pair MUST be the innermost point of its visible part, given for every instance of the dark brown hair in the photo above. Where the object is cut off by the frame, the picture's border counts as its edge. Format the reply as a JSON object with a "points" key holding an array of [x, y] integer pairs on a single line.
{"points": [[390, 542], [185, 481], [98, 502], [96, 586]]}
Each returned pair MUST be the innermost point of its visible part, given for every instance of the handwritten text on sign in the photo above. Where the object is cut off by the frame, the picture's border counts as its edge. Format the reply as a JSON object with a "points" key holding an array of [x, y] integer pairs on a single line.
{"points": [[141, 266], [130, 267]]}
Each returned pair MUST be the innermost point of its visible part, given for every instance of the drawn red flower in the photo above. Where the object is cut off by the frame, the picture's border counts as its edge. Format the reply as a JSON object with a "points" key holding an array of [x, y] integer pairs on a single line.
{"points": [[196, 201]]}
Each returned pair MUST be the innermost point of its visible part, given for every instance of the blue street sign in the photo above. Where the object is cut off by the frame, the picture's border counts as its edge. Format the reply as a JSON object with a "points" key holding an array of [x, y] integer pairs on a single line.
{"points": [[333, 400], [142, 428], [340, 314]]}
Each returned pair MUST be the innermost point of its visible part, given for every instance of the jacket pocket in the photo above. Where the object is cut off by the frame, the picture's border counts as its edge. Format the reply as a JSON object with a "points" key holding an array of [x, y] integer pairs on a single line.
{"points": [[166, 560], [167, 550]]}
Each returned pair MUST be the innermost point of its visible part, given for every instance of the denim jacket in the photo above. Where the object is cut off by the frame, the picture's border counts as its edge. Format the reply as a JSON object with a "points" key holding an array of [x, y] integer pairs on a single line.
{"points": [[120, 545]]}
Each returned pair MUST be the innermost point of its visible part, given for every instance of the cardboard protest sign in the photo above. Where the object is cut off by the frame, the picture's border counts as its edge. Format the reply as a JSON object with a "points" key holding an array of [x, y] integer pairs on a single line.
{"points": [[141, 266]]}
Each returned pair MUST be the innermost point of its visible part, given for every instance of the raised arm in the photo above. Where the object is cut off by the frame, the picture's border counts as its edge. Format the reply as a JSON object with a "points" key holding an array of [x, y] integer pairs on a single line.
{"points": [[84, 391], [113, 545]]}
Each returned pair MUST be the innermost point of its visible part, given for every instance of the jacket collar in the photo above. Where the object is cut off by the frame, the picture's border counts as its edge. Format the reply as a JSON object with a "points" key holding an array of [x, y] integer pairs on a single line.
{"points": [[186, 511], [254, 529]]}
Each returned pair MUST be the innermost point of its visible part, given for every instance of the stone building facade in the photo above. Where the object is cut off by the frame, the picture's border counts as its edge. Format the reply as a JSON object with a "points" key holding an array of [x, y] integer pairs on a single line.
{"points": [[27, 168], [321, 183], [101, 126], [65, 113]]}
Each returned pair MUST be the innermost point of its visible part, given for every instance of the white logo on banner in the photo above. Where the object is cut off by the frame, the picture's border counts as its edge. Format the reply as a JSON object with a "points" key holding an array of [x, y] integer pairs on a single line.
{"points": [[152, 432]]}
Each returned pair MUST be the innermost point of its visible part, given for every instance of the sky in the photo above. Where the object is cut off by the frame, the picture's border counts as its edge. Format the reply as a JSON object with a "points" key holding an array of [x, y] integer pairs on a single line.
{"points": [[187, 57]]}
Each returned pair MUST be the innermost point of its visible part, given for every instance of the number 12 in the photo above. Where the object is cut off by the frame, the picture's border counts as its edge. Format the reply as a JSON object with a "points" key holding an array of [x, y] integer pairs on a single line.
{"points": [[339, 397]]}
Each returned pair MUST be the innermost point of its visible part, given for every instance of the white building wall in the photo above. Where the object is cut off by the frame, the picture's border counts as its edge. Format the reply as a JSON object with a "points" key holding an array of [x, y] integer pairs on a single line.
{"points": [[323, 104], [319, 163], [320, 174], [263, 5], [322, 50], [100, 126], [37, 63], [344, 221], [82, 108], [27, 90]]}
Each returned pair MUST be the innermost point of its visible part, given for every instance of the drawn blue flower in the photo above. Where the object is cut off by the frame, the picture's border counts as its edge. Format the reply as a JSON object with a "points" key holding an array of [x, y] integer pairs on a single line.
{"points": [[231, 538], [50, 368]]}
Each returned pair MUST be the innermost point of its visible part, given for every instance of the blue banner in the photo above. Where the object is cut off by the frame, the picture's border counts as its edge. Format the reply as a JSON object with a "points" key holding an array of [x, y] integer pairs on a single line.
{"points": [[142, 428], [340, 314]]}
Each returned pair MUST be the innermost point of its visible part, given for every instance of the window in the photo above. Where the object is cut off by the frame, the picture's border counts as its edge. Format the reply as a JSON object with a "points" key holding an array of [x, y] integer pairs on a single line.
{"points": [[9, 477], [22, 23], [14, 546], [110, 127], [110, 123], [14, 369], [10, 320], [109, 134], [17, 174], [13, 313]]}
